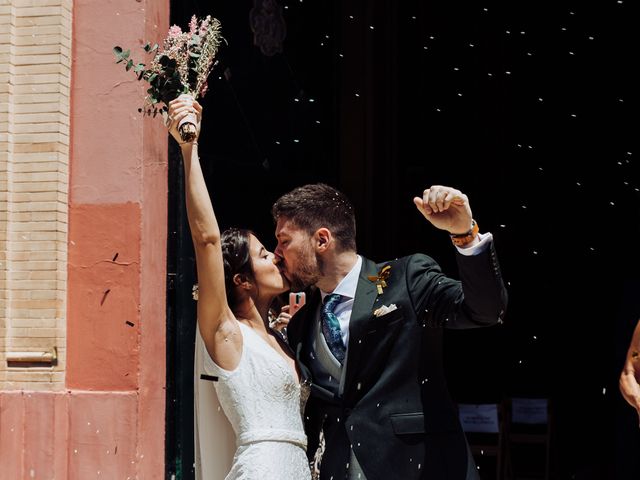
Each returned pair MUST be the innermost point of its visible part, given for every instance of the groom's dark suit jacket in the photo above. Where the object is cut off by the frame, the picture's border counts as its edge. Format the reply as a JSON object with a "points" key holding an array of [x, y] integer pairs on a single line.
{"points": [[395, 411]]}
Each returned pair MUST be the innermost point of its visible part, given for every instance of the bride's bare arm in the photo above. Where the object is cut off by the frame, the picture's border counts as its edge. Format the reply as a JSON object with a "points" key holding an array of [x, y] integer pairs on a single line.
{"points": [[216, 322]]}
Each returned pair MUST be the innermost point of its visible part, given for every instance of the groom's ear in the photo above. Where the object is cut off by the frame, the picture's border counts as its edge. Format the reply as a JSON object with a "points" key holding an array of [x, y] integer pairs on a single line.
{"points": [[322, 239]]}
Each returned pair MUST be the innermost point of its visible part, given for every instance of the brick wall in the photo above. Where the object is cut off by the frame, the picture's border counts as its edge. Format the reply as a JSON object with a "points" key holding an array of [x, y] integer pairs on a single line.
{"points": [[35, 66], [101, 171]]}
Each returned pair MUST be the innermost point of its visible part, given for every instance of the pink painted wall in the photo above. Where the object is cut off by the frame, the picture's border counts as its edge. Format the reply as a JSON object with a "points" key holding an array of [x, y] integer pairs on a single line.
{"points": [[103, 296], [109, 423]]}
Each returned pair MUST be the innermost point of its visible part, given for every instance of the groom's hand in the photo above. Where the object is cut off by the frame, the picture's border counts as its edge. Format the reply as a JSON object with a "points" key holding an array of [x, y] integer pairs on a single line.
{"points": [[446, 208]]}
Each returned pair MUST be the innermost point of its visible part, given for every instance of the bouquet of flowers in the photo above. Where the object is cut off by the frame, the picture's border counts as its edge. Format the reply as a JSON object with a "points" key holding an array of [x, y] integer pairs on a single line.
{"points": [[181, 67]]}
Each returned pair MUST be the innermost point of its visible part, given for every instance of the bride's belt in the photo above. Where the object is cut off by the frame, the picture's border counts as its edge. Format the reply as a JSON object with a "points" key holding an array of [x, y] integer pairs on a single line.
{"points": [[273, 435]]}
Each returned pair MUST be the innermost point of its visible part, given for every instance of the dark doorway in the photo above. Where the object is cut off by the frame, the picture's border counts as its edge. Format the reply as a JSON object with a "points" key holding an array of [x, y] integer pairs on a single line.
{"points": [[524, 106], [270, 125]]}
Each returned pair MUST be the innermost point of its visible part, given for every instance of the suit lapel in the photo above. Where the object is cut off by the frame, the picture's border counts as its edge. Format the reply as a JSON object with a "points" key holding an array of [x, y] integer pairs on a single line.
{"points": [[299, 334], [299, 330], [366, 294]]}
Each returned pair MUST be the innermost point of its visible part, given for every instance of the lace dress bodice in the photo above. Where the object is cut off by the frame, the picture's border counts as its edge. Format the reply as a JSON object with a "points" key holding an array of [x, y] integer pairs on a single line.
{"points": [[262, 399]]}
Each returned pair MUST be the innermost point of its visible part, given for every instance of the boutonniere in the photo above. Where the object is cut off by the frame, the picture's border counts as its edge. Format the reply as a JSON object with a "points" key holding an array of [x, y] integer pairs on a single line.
{"points": [[381, 278], [195, 292]]}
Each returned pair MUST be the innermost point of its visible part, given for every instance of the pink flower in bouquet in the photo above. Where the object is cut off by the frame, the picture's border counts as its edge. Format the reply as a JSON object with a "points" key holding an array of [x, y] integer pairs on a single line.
{"points": [[175, 31]]}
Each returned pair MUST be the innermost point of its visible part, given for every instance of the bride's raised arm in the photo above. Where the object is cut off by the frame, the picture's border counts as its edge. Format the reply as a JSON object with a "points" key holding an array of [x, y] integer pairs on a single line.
{"points": [[216, 321]]}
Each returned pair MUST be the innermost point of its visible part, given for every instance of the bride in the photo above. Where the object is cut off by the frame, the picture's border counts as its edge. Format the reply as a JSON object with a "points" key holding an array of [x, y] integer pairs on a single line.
{"points": [[258, 383]]}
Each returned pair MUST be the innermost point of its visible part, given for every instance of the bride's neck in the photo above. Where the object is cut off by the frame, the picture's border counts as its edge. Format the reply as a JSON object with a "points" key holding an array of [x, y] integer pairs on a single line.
{"points": [[254, 314]]}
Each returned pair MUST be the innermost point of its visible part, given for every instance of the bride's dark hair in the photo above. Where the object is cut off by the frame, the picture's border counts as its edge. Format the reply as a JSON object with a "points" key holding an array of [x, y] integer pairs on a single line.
{"points": [[237, 260]]}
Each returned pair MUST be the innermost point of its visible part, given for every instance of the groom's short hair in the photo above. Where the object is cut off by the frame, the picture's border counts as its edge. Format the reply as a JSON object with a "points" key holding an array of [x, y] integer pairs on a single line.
{"points": [[318, 205]]}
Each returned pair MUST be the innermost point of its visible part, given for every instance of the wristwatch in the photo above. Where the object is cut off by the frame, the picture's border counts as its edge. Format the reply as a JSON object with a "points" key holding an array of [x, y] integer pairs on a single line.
{"points": [[462, 239]]}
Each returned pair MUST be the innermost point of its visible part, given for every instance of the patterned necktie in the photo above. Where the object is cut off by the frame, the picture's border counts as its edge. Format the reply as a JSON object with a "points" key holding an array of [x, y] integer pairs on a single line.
{"points": [[331, 327]]}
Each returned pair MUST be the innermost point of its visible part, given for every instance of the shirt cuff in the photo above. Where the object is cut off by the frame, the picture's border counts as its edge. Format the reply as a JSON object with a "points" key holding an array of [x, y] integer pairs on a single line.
{"points": [[485, 240]]}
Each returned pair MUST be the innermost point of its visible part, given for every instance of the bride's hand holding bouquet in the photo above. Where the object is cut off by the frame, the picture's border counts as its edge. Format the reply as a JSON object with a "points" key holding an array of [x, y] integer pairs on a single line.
{"points": [[181, 109]]}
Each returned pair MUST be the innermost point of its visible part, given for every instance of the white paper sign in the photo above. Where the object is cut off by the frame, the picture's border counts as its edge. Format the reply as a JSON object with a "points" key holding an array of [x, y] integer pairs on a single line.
{"points": [[482, 418], [532, 411]]}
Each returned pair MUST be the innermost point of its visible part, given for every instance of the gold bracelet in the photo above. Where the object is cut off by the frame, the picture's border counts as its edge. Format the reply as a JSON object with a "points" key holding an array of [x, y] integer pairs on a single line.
{"points": [[188, 143]]}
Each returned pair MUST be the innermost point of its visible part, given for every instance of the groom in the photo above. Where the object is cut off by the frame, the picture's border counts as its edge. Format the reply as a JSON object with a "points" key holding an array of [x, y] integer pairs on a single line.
{"points": [[370, 335]]}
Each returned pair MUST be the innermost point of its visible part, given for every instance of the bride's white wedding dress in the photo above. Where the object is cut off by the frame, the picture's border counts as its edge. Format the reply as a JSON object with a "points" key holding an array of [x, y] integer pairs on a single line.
{"points": [[263, 401]]}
